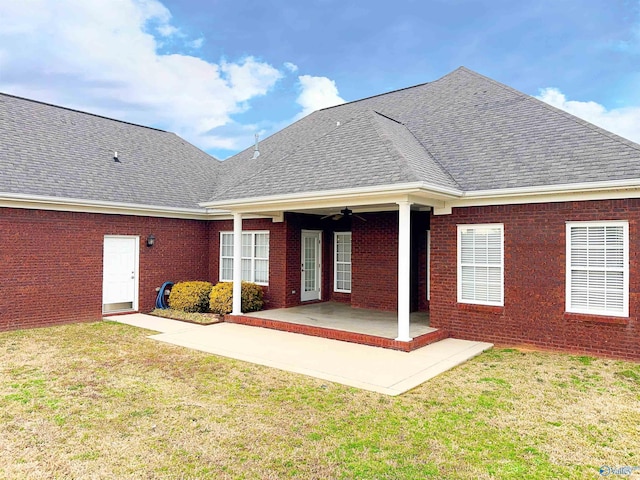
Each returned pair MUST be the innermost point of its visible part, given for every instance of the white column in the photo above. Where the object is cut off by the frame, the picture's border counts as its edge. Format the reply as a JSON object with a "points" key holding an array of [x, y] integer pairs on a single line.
{"points": [[237, 264], [404, 270]]}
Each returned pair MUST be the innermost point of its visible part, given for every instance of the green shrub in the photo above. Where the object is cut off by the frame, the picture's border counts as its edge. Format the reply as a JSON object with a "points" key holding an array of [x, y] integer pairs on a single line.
{"points": [[190, 296], [252, 295], [221, 297]]}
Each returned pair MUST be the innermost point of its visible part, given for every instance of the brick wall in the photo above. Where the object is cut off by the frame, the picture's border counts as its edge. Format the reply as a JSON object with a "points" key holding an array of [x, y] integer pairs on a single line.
{"points": [[375, 261], [534, 276], [52, 262], [275, 291], [374, 258]]}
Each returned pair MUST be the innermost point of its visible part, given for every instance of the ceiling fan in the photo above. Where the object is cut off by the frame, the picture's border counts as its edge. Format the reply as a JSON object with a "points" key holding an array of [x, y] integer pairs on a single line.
{"points": [[345, 212]]}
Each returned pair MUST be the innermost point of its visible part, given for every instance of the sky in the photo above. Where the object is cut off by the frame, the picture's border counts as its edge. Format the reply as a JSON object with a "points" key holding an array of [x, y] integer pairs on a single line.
{"points": [[217, 72]]}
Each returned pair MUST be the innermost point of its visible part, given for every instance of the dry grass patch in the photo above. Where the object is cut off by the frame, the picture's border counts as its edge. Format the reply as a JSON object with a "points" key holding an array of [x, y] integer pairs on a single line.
{"points": [[191, 317], [103, 401]]}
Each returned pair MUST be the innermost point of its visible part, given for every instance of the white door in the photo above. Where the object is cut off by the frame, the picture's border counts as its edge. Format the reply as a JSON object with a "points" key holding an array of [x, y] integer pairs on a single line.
{"points": [[311, 266], [120, 274]]}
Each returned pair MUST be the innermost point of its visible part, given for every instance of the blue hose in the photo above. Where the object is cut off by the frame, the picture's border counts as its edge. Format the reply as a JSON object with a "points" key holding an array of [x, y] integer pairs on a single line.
{"points": [[161, 299]]}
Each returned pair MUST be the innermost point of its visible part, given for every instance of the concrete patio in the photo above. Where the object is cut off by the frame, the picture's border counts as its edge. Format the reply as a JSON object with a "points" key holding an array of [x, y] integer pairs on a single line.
{"points": [[370, 368], [341, 316], [339, 321]]}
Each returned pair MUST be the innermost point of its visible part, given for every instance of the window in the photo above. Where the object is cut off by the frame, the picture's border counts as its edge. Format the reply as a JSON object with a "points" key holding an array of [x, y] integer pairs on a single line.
{"points": [[255, 257], [342, 264], [598, 268], [481, 264]]}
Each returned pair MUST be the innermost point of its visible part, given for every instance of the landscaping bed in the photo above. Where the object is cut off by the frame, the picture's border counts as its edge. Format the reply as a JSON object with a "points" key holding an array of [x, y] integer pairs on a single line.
{"points": [[189, 317]]}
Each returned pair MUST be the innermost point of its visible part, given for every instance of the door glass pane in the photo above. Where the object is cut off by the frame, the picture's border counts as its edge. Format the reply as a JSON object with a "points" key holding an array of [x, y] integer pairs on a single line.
{"points": [[310, 260]]}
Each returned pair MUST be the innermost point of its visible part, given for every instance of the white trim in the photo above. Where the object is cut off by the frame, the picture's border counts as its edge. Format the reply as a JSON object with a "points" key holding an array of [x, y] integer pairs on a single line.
{"points": [[318, 235], [560, 188], [460, 299], [253, 233], [625, 268], [16, 200], [441, 199], [236, 302], [136, 272], [404, 272], [335, 261], [340, 195]]}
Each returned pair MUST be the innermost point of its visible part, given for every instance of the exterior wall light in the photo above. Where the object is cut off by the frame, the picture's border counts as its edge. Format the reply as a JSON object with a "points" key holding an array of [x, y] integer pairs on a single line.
{"points": [[151, 239]]}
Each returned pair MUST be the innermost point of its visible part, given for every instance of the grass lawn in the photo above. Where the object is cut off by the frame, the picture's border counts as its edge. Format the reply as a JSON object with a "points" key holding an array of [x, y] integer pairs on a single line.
{"points": [[102, 401]]}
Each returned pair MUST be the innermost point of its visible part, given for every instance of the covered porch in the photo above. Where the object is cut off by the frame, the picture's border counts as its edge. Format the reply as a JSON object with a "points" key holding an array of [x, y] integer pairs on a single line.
{"points": [[366, 247], [340, 321]]}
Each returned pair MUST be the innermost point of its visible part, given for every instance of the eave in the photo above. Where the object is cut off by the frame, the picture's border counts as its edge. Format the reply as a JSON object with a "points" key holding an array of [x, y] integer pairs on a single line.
{"points": [[15, 200], [417, 192], [441, 199]]}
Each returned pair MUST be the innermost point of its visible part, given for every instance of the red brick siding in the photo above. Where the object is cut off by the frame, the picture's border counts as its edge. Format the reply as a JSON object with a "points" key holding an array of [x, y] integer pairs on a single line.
{"points": [[375, 262], [274, 292], [534, 276], [374, 258], [295, 224], [52, 262]]}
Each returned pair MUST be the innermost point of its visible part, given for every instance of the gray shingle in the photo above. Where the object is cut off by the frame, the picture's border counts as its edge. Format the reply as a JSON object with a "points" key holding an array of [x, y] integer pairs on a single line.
{"points": [[476, 134], [52, 151], [463, 131]]}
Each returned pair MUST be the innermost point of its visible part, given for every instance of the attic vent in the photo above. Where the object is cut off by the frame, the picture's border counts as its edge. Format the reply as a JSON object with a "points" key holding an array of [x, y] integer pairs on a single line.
{"points": [[256, 152]]}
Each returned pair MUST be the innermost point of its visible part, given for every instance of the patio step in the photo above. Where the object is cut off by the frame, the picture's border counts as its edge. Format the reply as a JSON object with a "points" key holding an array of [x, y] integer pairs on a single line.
{"points": [[334, 334]]}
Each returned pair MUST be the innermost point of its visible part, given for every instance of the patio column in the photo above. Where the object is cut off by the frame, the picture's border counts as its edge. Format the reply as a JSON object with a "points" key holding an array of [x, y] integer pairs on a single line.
{"points": [[237, 264], [404, 270]]}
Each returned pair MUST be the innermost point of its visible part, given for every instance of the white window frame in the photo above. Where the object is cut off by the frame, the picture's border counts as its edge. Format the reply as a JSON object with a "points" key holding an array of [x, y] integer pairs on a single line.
{"points": [[335, 262], [499, 303], [253, 258], [624, 269]]}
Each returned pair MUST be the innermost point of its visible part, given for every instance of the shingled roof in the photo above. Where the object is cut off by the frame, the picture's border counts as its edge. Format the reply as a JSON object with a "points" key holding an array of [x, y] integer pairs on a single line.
{"points": [[464, 131], [58, 152]]}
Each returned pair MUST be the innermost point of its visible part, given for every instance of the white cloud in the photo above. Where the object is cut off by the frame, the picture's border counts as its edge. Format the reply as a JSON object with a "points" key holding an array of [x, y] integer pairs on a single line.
{"points": [[167, 30], [250, 78], [621, 121], [292, 67], [103, 56], [317, 93], [197, 43]]}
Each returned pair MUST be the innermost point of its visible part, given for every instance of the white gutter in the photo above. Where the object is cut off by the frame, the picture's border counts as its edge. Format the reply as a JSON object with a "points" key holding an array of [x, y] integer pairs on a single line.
{"points": [[17, 200], [555, 189], [437, 192]]}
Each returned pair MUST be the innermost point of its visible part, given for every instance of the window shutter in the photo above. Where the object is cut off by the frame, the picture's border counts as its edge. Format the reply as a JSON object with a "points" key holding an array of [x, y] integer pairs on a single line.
{"points": [[480, 258], [597, 274]]}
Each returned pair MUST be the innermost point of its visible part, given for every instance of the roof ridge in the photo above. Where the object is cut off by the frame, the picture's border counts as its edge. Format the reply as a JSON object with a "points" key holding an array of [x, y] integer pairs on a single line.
{"points": [[436, 160], [81, 111], [391, 146], [287, 154], [551, 108], [585, 123], [460, 68], [426, 150], [376, 95]]}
